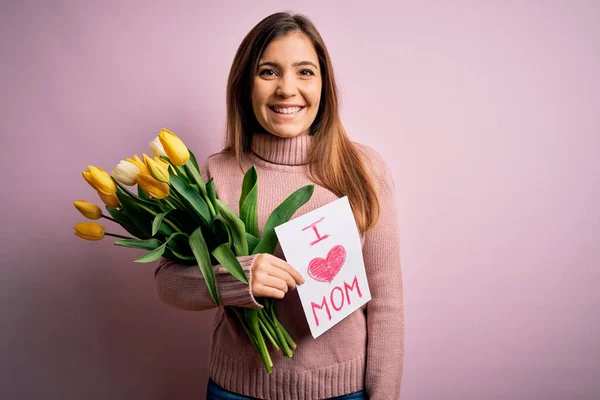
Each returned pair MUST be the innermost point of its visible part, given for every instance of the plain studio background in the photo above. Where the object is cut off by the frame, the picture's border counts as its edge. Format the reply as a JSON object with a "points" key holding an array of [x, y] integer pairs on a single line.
{"points": [[486, 112]]}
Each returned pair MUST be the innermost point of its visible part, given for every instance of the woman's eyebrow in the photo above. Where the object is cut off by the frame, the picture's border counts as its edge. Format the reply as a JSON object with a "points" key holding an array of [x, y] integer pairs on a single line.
{"points": [[296, 64]]}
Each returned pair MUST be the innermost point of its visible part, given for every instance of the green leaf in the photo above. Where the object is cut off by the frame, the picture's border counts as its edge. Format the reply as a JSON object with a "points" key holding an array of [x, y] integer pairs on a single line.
{"points": [[220, 222], [156, 253], [238, 230], [250, 179], [180, 170], [227, 259], [124, 221], [139, 218], [248, 201], [148, 244], [212, 193], [196, 178], [192, 197], [202, 256], [158, 221], [252, 242], [194, 161], [281, 215], [166, 230], [181, 255], [124, 190], [181, 249], [142, 194]]}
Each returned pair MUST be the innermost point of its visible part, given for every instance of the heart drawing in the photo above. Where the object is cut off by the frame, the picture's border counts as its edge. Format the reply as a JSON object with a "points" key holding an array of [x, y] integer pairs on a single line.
{"points": [[325, 269]]}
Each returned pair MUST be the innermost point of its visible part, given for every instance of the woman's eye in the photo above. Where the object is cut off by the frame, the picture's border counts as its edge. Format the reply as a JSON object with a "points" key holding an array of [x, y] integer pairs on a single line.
{"points": [[267, 72], [306, 72]]}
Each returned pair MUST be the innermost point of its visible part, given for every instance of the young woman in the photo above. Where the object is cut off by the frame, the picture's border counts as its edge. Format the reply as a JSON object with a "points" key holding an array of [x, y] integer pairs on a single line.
{"points": [[283, 118]]}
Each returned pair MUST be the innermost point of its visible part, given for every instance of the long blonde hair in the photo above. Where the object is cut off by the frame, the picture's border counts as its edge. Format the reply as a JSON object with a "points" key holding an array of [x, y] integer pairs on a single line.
{"points": [[343, 171]]}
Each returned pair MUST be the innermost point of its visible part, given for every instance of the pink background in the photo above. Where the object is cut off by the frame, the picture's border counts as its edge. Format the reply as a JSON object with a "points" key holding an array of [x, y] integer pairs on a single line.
{"points": [[487, 113]]}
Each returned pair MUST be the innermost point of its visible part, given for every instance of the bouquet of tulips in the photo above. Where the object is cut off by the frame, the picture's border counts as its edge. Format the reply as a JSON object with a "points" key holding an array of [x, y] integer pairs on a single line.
{"points": [[175, 214]]}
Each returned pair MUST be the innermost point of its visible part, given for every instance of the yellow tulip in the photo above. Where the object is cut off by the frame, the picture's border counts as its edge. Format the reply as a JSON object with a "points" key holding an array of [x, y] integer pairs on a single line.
{"points": [[166, 164], [161, 161], [158, 170], [100, 180], [126, 172], [156, 189], [138, 163], [88, 177], [177, 152], [88, 210], [156, 148], [111, 200], [90, 230]]}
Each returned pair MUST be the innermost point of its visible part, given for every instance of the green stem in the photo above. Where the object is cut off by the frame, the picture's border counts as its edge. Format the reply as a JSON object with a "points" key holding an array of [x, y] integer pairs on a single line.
{"points": [[120, 223], [268, 333], [170, 204], [264, 354], [264, 318], [177, 200], [167, 221], [198, 179], [287, 336], [252, 318], [118, 236], [110, 219], [128, 192], [278, 330]]}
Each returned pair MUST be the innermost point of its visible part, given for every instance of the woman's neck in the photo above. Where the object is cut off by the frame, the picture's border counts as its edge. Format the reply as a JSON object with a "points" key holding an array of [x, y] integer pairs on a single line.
{"points": [[282, 151]]}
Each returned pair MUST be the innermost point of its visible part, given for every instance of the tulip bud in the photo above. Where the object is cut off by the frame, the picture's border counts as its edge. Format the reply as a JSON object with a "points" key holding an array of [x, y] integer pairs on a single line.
{"points": [[156, 148], [138, 163], [159, 171], [156, 189], [87, 209], [111, 200], [88, 177], [100, 180], [126, 173], [166, 164], [177, 152], [90, 230]]}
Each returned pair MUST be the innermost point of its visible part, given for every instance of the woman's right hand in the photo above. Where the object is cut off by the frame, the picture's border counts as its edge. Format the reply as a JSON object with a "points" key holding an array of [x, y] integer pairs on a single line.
{"points": [[273, 277]]}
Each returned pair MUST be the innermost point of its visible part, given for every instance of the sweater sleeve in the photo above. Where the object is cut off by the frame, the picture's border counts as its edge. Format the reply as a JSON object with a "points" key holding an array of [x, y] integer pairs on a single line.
{"points": [[183, 286], [385, 310]]}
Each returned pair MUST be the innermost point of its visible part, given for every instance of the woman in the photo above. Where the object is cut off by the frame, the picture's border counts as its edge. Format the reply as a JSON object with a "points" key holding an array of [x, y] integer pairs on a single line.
{"points": [[283, 118]]}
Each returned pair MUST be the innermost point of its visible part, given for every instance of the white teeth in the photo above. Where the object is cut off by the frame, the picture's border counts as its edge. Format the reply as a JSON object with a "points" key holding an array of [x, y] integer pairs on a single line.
{"points": [[288, 110]]}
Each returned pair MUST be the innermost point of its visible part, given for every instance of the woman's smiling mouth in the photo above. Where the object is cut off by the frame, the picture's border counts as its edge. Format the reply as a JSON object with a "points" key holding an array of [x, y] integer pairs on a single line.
{"points": [[287, 113]]}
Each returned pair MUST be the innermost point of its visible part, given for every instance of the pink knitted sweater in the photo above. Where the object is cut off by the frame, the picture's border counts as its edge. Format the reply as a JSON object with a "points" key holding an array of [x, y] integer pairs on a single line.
{"points": [[362, 352]]}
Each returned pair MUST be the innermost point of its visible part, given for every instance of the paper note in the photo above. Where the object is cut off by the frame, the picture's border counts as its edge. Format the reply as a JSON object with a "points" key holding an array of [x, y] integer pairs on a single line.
{"points": [[324, 245]]}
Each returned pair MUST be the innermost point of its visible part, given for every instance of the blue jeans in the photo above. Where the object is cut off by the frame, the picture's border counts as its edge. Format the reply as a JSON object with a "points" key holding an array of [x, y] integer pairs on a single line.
{"points": [[216, 392]]}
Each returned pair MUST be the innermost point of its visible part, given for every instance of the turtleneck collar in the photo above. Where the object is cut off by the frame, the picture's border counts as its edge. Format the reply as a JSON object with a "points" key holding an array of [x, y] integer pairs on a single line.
{"points": [[282, 151]]}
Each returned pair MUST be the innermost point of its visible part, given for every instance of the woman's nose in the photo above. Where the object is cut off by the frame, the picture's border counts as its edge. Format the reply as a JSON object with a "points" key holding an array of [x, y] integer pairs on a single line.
{"points": [[286, 87]]}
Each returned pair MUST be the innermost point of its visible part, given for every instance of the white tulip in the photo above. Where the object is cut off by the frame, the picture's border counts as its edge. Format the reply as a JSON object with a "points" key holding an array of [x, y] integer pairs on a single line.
{"points": [[126, 173], [157, 148]]}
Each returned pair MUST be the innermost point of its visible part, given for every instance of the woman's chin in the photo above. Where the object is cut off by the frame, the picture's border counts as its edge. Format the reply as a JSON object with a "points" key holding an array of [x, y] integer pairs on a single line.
{"points": [[286, 133]]}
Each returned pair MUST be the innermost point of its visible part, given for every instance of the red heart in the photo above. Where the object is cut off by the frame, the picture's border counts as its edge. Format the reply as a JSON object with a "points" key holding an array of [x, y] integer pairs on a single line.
{"points": [[325, 269]]}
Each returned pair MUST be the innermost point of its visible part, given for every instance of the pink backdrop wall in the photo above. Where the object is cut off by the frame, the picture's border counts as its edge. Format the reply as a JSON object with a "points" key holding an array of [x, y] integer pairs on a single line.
{"points": [[487, 113]]}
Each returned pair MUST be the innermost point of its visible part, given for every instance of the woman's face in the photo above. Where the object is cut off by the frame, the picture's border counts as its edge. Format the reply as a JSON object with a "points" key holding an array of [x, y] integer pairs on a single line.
{"points": [[287, 86]]}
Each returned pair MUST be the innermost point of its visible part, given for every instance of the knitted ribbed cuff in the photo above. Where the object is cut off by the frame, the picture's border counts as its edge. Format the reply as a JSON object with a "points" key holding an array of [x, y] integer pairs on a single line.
{"points": [[232, 292]]}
